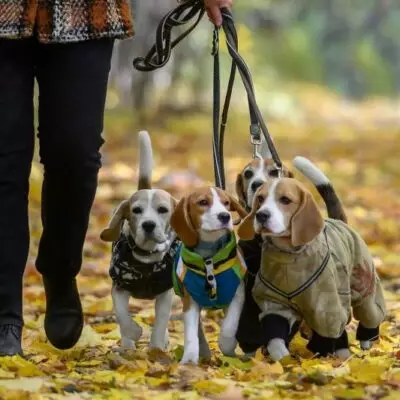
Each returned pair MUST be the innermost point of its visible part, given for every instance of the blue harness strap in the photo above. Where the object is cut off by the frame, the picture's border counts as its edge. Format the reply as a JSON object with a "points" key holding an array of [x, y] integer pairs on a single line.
{"points": [[211, 282]]}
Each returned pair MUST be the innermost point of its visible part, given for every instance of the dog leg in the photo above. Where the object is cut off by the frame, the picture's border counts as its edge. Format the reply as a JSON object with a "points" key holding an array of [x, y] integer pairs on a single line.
{"points": [[159, 334], [130, 330], [191, 319], [227, 339], [204, 349]]}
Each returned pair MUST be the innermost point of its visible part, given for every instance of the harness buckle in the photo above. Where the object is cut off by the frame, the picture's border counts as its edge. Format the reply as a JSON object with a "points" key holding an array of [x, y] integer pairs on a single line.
{"points": [[210, 278]]}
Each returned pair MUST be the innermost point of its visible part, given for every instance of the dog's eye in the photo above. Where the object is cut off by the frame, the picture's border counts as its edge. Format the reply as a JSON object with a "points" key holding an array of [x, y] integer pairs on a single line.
{"points": [[226, 203], [285, 200], [260, 199], [203, 203], [162, 210], [248, 174], [136, 210], [273, 173]]}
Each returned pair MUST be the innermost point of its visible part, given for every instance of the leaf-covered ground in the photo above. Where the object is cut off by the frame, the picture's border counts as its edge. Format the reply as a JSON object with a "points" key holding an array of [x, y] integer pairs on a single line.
{"points": [[359, 151]]}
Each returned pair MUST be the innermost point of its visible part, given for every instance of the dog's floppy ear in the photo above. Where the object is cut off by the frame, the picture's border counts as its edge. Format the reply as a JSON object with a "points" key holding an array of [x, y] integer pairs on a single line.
{"points": [[307, 222], [182, 224], [246, 228], [240, 190], [111, 233], [235, 206]]}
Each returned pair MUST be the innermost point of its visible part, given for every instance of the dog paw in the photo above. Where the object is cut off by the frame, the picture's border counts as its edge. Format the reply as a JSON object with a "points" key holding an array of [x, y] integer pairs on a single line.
{"points": [[136, 332], [227, 345], [190, 357], [159, 343], [366, 344], [277, 349], [127, 344], [343, 354]]}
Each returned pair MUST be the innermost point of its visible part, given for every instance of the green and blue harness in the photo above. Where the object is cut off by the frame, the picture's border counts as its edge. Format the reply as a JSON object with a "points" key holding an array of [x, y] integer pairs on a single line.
{"points": [[211, 282]]}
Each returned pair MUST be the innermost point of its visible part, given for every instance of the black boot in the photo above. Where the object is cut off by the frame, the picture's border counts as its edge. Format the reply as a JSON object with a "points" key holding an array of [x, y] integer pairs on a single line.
{"points": [[63, 322], [10, 340]]}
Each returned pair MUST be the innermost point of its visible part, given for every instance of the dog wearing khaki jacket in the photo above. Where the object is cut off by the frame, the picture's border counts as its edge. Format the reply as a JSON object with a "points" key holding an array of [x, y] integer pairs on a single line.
{"points": [[312, 269]]}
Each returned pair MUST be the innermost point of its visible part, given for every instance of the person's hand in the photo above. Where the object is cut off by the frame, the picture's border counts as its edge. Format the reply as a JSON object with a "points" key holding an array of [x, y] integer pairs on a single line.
{"points": [[213, 8]]}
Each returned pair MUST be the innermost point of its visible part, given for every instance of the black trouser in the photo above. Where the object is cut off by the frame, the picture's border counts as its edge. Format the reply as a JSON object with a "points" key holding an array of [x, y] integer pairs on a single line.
{"points": [[72, 80]]}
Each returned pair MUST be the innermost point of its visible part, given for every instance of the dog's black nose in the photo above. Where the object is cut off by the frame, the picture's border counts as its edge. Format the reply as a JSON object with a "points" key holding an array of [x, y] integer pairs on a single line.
{"points": [[224, 217], [255, 185], [148, 226], [263, 216]]}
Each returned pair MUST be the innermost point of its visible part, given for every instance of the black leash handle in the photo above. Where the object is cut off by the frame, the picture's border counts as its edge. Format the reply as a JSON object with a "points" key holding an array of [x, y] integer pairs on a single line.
{"points": [[255, 113], [160, 54]]}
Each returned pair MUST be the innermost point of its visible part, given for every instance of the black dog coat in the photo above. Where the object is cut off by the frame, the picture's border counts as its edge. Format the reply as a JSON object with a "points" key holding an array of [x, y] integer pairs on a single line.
{"points": [[142, 280]]}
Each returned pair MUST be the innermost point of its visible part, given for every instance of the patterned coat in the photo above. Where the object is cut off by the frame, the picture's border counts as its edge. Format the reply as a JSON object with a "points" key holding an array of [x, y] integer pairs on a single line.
{"points": [[63, 21], [322, 282]]}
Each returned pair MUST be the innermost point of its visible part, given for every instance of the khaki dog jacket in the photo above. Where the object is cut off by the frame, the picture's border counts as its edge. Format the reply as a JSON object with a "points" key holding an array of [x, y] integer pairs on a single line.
{"points": [[321, 281]]}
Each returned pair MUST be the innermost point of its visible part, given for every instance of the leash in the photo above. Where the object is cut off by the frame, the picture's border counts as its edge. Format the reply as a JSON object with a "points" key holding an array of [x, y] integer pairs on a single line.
{"points": [[160, 54]]}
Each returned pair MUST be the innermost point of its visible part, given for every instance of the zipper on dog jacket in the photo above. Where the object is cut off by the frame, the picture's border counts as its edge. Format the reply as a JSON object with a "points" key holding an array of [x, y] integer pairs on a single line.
{"points": [[211, 282]]}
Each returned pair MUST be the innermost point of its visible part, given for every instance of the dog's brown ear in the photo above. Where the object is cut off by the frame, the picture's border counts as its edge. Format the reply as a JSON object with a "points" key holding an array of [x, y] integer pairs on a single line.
{"points": [[240, 190], [246, 228], [307, 222], [235, 206], [111, 233], [174, 203], [182, 224]]}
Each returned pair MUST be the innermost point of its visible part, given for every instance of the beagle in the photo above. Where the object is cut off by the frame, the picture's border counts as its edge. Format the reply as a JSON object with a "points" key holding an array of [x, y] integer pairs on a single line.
{"points": [[312, 269], [250, 334], [143, 250], [209, 270], [259, 171]]}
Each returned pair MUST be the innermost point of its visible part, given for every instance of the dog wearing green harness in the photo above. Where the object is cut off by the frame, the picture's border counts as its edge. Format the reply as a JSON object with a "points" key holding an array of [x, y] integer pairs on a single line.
{"points": [[209, 268]]}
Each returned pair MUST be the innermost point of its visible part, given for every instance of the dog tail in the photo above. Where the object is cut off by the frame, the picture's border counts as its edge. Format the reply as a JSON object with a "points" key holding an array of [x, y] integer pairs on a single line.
{"points": [[324, 186], [145, 161]]}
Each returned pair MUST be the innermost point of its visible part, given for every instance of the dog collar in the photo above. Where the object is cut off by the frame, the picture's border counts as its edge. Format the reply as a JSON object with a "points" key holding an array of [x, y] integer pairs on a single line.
{"points": [[138, 250]]}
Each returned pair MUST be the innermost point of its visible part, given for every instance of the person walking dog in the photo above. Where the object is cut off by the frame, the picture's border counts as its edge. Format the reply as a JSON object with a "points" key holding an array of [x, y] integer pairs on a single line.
{"points": [[67, 48]]}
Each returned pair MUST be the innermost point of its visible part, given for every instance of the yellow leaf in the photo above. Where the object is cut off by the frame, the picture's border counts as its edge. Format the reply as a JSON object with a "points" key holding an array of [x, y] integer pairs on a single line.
{"points": [[6, 374], [234, 362], [26, 384], [369, 370], [89, 338], [20, 366], [262, 369], [356, 393], [210, 386]]}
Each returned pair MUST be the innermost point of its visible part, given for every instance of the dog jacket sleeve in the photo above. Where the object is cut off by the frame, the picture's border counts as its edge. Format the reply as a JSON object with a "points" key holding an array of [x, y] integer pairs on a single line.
{"points": [[211, 283]]}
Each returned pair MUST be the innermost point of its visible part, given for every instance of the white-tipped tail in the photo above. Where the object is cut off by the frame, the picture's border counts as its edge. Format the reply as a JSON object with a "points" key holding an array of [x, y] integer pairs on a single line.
{"points": [[311, 171], [145, 160], [322, 183]]}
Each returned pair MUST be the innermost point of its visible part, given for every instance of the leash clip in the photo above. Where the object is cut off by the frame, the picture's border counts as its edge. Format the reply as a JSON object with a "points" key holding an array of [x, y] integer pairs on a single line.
{"points": [[280, 171], [255, 139], [211, 282], [256, 145]]}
